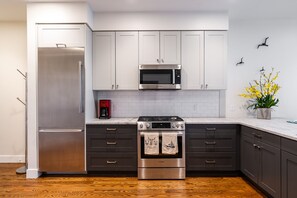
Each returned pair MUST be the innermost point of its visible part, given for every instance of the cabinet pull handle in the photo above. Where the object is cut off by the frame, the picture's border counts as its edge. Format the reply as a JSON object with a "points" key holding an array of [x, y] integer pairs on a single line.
{"points": [[60, 45], [112, 86], [206, 85], [210, 143], [211, 129], [257, 135], [111, 143], [255, 145], [111, 162], [210, 161], [111, 129], [259, 147], [117, 86], [162, 60], [158, 60]]}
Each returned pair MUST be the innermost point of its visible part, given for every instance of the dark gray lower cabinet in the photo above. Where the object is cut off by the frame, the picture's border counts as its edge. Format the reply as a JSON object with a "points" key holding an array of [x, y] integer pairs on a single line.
{"points": [[211, 147], [260, 160], [289, 168], [111, 148]]}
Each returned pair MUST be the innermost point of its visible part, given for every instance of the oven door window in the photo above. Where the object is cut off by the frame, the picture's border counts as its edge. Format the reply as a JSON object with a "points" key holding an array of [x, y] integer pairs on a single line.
{"points": [[164, 76], [177, 155]]}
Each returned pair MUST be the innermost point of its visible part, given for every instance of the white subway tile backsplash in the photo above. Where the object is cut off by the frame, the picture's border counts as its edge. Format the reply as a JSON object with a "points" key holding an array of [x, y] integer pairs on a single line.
{"points": [[163, 103]]}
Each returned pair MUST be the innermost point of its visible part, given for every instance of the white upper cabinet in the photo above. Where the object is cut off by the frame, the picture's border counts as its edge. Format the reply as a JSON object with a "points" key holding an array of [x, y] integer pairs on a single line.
{"points": [[192, 60], [59, 35], [127, 60], [159, 47], [149, 47], [215, 59], [170, 47], [204, 57], [103, 60]]}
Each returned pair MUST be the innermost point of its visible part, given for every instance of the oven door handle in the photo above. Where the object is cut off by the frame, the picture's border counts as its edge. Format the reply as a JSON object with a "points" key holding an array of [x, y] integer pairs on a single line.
{"points": [[160, 133]]}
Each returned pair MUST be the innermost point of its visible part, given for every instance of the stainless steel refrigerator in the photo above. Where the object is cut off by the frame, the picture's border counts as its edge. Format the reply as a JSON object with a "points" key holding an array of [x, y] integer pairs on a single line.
{"points": [[61, 119]]}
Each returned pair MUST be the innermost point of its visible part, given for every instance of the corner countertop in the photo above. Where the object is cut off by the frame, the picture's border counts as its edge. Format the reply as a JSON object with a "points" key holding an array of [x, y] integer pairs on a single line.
{"points": [[277, 126]]}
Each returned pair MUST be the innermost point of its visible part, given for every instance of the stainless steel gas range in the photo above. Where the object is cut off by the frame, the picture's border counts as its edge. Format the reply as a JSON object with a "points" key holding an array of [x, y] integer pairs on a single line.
{"points": [[161, 147]]}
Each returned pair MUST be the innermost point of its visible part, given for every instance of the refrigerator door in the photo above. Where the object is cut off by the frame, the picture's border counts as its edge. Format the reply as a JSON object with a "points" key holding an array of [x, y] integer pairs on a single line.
{"points": [[61, 109]]}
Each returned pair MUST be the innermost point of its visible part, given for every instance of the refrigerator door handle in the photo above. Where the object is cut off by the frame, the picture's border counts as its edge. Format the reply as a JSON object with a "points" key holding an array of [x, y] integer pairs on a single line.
{"points": [[80, 73], [60, 130]]}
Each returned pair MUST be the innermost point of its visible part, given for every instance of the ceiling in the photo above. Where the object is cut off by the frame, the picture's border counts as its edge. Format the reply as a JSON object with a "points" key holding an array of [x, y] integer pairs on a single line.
{"points": [[15, 10]]}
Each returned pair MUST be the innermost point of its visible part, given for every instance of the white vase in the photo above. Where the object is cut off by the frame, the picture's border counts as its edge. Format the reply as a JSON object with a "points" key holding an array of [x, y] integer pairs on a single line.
{"points": [[264, 113]]}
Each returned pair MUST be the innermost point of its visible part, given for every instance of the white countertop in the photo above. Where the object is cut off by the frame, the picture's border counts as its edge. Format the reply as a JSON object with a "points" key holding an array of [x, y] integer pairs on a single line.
{"points": [[275, 126]]}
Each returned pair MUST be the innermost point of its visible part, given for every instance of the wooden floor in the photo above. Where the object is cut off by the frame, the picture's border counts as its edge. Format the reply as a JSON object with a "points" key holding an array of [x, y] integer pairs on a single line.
{"points": [[13, 185]]}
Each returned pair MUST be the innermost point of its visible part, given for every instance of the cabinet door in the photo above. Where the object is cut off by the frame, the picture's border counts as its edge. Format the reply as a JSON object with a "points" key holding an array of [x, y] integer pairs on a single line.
{"points": [[192, 60], [269, 172], [170, 47], [215, 59], [61, 35], [149, 47], [249, 158], [289, 175], [127, 60], [103, 60]]}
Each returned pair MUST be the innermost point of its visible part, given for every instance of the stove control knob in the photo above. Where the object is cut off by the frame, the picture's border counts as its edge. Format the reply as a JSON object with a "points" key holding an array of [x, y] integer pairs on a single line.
{"points": [[147, 125], [141, 126], [182, 126], [172, 126], [177, 125]]}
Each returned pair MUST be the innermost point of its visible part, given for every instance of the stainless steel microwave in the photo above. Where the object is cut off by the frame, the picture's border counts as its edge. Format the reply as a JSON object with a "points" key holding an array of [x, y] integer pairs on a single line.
{"points": [[153, 77]]}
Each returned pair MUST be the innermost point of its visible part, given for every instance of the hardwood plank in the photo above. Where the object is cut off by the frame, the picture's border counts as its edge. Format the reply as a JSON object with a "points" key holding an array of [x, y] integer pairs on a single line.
{"points": [[13, 185]]}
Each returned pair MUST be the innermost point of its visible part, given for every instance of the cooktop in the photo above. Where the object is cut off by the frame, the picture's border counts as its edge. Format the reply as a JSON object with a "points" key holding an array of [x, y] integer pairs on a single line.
{"points": [[159, 118]]}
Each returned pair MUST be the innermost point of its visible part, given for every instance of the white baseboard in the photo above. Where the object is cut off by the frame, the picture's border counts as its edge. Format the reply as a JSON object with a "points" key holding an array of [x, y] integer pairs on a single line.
{"points": [[12, 158]]}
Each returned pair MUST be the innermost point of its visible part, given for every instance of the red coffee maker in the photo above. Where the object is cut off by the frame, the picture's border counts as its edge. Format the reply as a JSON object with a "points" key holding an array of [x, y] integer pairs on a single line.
{"points": [[104, 109]]}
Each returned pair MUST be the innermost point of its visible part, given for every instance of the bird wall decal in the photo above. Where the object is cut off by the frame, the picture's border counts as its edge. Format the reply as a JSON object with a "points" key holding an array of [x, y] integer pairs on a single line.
{"points": [[264, 43], [241, 62]]}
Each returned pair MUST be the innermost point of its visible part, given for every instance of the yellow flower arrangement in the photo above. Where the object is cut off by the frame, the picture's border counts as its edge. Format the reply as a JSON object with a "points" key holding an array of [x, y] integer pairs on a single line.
{"points": [[262, 93]]}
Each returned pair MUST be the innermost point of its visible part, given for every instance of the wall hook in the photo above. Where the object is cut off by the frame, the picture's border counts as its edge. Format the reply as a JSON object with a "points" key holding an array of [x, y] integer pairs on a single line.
{"points": [[25, 75], [241, 62], [264, 43]]}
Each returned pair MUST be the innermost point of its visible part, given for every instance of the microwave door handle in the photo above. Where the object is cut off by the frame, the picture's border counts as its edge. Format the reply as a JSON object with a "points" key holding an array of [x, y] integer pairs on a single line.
{"points": [[173, 76]]}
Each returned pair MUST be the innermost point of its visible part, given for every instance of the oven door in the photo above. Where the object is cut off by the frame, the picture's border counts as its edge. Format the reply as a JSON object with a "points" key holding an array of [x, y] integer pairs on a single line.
{"points": [[161, 160], [158, 77]]}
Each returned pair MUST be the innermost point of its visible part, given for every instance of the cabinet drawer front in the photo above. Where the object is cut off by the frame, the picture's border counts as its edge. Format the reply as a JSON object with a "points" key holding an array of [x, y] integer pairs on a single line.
{"points": [[103, 130], [261, 136], [111, 161], [289, 145], [98, 143], [211, 131], [211, 145], [211, 161]]}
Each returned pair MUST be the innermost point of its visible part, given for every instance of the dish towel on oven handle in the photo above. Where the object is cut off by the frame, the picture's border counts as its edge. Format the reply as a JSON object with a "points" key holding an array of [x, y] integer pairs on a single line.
{"points": [[169, 143], [151, 143]]}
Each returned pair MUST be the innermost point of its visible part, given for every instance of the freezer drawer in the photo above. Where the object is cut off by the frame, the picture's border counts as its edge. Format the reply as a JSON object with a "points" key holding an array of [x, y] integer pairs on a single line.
{"points": [[61, 152]]}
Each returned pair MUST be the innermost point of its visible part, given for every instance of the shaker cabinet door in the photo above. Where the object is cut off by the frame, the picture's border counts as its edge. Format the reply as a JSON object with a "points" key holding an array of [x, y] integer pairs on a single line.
{"points": [[127, 60], [215, 59], [103, 60], [169, 47], [149, 47], [192, 60], [59, 35]]}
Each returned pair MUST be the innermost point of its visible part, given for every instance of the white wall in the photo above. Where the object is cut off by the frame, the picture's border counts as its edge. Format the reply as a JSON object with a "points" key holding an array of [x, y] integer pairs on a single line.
{"points": [[161, 21], [12, 85], [244, 36]]}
